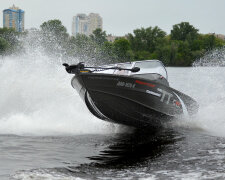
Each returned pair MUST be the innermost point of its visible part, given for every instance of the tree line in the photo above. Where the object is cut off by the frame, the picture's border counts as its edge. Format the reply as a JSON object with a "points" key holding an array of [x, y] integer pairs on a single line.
{"points": [[181, 47]]}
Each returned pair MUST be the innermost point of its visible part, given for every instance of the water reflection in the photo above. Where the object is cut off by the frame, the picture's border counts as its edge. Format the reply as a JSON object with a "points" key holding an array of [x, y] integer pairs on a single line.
{"points": [[131, 149], [125, 153]]}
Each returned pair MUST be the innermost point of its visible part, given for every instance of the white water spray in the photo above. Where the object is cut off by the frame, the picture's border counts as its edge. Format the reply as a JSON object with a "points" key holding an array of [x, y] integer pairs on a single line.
{"points": [[36, 98], [205, 82]]}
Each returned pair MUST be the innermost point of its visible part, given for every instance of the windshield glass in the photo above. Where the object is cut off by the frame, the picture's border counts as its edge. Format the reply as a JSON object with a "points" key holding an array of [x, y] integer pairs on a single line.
{"points": [[151, 66]]}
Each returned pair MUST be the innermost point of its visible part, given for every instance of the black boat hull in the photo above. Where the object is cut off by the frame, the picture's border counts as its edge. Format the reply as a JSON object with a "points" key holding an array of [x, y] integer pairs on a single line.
{"points": [[131, 101]]}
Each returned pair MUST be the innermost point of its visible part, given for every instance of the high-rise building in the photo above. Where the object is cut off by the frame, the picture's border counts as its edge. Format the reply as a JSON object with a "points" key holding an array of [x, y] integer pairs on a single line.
{"points": [[83, 24], [94, 22], [80, 24], [14, 18]]}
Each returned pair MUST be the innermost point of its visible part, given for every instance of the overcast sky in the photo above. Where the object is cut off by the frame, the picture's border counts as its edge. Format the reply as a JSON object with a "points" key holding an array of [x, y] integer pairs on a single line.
{"points": [[123, 16]]}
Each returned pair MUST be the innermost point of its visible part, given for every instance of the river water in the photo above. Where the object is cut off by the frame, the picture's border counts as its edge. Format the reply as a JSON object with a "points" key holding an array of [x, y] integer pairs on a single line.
{"points": [[46, 132]]}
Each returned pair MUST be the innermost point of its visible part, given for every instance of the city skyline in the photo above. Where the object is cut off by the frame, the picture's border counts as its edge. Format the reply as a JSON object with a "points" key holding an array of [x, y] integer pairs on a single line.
{"points": [[122, 17]]}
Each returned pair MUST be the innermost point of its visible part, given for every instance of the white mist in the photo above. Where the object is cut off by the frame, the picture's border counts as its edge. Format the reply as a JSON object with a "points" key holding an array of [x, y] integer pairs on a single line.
{"points": [[36, 98]]}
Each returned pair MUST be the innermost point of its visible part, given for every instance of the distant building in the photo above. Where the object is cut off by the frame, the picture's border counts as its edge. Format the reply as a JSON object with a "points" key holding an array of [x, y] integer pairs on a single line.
{"points": [[94, 22], [112, 38], [80, 24], [220, 36], [83, 24], [14, 18]]}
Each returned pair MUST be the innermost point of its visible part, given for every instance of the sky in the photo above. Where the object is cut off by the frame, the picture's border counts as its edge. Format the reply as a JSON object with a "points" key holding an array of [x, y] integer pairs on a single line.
{"points": [[123, 16]]}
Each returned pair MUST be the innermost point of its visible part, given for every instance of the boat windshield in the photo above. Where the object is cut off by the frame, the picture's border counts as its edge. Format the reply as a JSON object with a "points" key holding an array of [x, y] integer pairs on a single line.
{"points": [[151, 67], [146, 67]]}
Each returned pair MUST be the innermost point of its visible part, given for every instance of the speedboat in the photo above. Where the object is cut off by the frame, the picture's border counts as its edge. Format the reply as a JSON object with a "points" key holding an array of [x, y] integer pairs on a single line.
{"points": [[133, 93]]}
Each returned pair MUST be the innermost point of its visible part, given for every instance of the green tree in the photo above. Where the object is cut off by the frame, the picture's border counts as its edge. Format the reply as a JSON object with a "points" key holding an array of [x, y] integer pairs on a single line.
{"points": [[166, 52], [54, 28], [9, 34], [146, 39], [142, 55], [209, 41], [99, 36], [184, 54], [54, 37], [122, 49], [12, 39], [4, 45], [83, 48], [184, 31], [108, 53]]}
